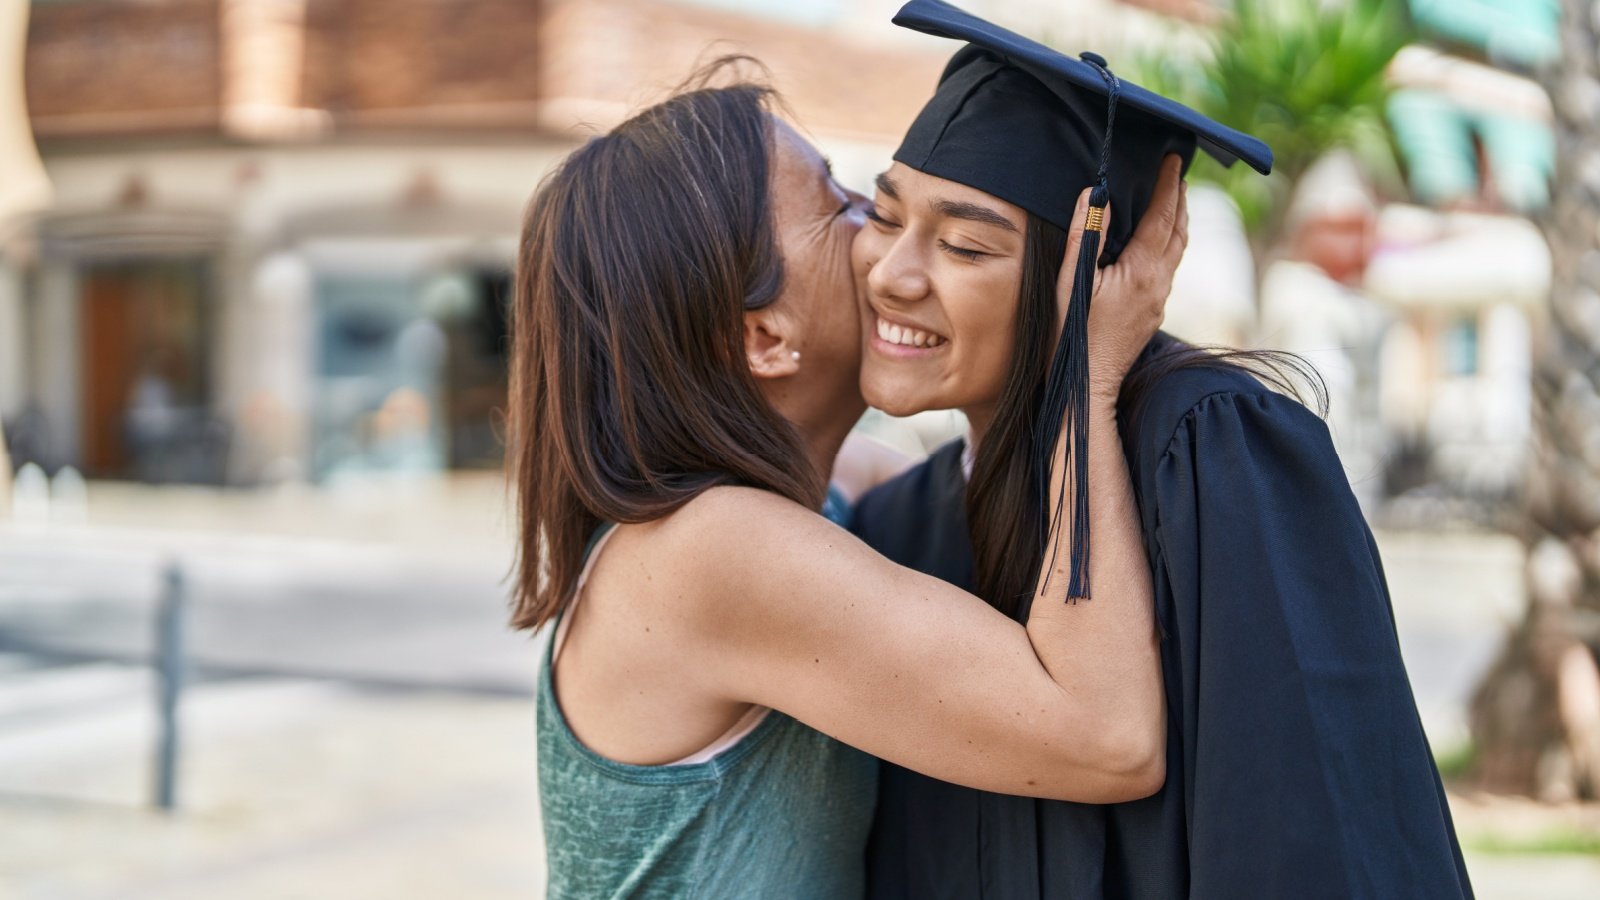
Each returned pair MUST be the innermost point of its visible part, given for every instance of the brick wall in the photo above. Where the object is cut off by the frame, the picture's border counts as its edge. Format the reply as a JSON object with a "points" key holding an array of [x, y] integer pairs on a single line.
{"points": [[95, 65], [364, 56], [603, 58], [111, 67]]}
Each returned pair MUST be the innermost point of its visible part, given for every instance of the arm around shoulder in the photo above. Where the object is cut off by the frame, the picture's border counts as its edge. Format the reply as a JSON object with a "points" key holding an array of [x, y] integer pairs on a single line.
{"points": [[798, 615]]}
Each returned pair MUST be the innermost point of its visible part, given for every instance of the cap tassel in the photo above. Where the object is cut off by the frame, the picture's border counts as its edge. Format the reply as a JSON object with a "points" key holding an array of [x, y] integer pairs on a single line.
{"points": [[1066, 396], [1066, 391]]}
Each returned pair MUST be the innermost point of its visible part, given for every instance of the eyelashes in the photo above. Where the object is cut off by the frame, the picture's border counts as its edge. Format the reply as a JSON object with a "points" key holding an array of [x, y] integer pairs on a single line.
{"points": [[958, 252], [961, 252], [873, 214]]}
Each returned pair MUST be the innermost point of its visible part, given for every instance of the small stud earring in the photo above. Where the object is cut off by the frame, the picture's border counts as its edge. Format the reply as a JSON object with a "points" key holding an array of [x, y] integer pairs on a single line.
{"points": [[796, 355]]}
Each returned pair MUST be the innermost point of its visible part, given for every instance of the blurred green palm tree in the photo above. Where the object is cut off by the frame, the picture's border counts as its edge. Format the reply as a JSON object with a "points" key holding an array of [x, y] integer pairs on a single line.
{"points": [[1305, 76]]}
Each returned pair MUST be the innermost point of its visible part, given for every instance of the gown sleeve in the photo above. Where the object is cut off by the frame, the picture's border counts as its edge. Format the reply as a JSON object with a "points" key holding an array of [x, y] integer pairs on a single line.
{"points": [[1304, 768]]}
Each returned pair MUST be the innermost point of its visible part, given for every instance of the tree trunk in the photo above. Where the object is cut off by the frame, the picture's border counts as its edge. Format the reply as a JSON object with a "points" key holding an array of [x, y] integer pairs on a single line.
{"points": [[1536, 715]]}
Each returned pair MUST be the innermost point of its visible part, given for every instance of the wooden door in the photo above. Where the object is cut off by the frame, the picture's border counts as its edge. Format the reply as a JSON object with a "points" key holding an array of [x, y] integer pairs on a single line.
{"points": [[141, 329]]}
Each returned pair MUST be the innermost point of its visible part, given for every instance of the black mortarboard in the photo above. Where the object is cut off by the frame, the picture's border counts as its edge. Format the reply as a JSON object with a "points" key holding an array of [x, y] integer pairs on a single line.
{"points": [[1034, 127]]}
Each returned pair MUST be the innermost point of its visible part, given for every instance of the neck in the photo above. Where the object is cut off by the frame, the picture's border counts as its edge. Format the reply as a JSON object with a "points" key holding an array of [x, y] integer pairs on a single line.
{"points": [[823, 442], [822, 425], [979, 418]]}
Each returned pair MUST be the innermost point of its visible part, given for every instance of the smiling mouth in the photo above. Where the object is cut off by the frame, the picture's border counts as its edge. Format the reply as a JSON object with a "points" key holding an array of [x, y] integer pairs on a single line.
{"points": [[906, 336]]}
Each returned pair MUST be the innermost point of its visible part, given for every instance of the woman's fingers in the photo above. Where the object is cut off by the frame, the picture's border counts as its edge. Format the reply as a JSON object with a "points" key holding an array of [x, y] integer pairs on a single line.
{"points": [[1150, 239], [1069, 265], [1105, 229], [1080, 214], [1180, 231], [1138, 285]]}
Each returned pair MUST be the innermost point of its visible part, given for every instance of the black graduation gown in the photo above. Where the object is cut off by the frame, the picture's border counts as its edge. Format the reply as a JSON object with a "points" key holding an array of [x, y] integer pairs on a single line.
{"points": [[1296, 762]]}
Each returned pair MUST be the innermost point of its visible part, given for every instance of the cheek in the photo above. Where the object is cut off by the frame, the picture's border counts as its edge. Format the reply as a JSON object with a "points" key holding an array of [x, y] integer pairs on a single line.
{"points": [[833, 297], [865, 249], [984, 328], [991, 364]]}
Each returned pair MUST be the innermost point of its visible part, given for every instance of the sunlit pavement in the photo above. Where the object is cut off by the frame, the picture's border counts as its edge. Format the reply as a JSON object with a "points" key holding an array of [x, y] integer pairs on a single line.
{"points": [[288, 790], [359, 722]]}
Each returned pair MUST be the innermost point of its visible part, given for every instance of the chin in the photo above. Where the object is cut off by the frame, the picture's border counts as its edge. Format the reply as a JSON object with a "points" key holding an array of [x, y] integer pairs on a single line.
{"points": [[894, 401]]}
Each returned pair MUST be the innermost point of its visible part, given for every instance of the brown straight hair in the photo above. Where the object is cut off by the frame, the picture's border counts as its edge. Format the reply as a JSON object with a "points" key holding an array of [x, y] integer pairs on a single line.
{"points": [[1005, 501], [631, 393]]}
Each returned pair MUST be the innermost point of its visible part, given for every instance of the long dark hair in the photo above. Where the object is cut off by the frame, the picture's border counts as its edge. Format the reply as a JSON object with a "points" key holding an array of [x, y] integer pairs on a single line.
{"points": [[1005, 501], [631, 393]]}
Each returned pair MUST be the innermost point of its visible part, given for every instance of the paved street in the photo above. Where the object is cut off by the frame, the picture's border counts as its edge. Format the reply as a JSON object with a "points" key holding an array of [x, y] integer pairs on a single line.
{"points": [[291, 789], [332, 587], [360, 722]]}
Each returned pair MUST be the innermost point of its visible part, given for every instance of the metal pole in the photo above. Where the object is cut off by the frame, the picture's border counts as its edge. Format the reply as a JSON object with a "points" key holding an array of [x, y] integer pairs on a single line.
{"points": [[169, 684]]}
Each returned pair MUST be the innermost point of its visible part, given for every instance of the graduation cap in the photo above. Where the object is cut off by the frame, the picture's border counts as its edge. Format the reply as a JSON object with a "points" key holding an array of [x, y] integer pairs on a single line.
{"points": [[1034, 127]]}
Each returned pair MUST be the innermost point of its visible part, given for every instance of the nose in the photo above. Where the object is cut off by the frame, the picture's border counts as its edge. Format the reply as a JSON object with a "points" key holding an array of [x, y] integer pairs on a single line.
{"points": [[900, 273]]}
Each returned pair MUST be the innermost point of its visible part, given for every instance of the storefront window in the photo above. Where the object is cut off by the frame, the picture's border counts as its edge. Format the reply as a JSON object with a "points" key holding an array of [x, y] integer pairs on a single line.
{"points": [[411, 373], [1459, 351]]}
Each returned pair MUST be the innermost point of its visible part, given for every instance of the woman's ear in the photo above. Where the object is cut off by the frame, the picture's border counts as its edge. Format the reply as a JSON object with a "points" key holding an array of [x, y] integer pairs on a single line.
{"points": [[767, 345]]}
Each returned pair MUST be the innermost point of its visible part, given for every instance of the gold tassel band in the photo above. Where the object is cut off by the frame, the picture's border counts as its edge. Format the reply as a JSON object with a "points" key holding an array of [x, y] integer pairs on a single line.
{"points": [[1096, 219]]}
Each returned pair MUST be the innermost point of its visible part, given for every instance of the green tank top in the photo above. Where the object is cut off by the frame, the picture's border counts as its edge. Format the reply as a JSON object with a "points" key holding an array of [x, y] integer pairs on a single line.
{"points": [[784, 812]]}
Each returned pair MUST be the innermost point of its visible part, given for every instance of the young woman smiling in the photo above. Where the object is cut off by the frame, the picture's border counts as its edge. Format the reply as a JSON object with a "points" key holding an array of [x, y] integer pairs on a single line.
{"points": [[1296, 761], [1292, 728]]}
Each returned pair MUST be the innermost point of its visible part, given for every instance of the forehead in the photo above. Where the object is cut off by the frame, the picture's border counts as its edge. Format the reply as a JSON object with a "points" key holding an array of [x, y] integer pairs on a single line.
{"points": [[793, 156], [913, 183]]}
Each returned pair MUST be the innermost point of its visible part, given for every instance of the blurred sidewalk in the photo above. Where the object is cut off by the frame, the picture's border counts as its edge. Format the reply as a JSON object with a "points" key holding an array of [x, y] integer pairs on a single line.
{"points": [[462, 517], [289, 789], [361, 722], [301, 790]]}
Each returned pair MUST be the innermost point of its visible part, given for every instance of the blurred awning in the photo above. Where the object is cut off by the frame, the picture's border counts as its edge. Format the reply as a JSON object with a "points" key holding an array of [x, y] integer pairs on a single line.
{"points": [[1457, 262], [23, 188], [1444, 109], [1521, 32]]}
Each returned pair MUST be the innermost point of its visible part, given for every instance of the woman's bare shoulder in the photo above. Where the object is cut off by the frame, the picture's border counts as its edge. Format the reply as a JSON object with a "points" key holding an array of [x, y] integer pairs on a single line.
{"points": [[732, 535], [729, 511]]}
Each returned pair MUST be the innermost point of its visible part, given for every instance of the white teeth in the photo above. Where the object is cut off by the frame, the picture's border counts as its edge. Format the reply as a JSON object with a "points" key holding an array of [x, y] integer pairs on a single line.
{"points": [[907, 337]]}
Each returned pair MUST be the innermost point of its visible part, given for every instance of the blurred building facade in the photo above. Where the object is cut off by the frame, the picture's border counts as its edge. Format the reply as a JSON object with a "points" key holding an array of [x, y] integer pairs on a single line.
{"points": [[1462, 269], [23, 191], [1414, 298], [282, 231], [278, 235]]}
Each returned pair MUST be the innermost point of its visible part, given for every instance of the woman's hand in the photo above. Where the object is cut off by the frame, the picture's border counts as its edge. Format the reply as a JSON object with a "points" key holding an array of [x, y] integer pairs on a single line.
{"points": [[1130, 297]]}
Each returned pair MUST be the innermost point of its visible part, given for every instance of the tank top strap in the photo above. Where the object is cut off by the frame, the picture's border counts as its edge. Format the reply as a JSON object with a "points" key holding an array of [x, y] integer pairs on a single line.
{"points": [[597, 542]]}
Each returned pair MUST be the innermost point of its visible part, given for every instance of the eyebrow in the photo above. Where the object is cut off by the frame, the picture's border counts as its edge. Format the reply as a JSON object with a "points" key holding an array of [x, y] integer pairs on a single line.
{"points": [[955, 209], [972, 212]]}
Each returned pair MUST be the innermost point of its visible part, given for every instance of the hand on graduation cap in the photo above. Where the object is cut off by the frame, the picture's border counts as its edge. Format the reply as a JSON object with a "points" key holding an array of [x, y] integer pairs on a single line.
{"points": [[1130, 297]]}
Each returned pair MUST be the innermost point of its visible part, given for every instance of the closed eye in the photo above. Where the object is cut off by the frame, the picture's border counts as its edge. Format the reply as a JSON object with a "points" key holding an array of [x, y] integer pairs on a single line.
{"points": [[874, 215], [962, 252]]}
